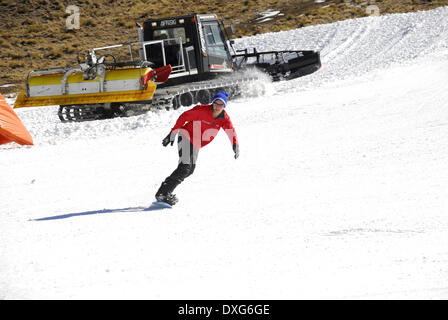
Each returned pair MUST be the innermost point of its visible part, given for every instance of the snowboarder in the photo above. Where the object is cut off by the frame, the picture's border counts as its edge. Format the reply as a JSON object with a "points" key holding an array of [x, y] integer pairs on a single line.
{"points": [[197, 128]]}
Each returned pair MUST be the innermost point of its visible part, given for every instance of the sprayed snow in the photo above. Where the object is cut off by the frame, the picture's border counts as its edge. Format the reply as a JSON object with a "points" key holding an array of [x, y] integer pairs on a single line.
{"points": [[339, 191]]}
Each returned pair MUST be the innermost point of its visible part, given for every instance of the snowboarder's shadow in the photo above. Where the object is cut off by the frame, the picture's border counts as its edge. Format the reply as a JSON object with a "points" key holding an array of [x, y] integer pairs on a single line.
{"points": [[87, 213]]}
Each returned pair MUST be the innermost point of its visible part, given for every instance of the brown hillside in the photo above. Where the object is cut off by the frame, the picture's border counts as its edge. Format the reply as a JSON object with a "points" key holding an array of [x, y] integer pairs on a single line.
{"points": [[33, 33]]}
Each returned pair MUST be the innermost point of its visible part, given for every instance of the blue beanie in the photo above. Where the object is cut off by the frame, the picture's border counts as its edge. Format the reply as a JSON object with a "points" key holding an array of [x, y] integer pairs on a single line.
{"points": [[222, 96]]}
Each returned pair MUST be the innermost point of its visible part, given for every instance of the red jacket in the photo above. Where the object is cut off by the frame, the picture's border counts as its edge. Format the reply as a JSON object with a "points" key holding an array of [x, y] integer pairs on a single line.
{"points": [[198, 125]]}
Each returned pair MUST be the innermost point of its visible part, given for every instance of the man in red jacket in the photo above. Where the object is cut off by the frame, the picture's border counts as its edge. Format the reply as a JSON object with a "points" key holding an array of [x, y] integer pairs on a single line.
{"points": [[197, 128]]}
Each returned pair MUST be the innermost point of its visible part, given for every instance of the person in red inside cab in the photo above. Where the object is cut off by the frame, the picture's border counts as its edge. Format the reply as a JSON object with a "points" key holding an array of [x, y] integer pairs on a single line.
{"points": [[196, 128]]}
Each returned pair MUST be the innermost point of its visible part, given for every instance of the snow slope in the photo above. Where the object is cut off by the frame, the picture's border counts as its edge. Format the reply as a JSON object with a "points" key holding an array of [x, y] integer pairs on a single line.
{"points": [[340, 190]]}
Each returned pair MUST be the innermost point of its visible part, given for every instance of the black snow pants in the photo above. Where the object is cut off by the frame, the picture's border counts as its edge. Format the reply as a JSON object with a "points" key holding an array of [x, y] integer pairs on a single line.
{"points": [[187, 163]]}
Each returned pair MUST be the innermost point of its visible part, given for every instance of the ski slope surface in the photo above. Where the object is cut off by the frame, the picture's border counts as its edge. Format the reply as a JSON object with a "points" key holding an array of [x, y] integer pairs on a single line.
{"points": [[340, 191]]}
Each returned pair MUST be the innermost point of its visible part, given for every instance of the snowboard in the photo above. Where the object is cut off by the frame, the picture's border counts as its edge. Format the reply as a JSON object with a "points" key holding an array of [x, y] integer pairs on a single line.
{"points": [[156, 205]]}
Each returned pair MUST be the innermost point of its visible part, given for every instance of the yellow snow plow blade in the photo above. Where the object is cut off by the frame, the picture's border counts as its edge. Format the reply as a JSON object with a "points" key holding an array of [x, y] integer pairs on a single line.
{"points": [[70, 88], [103, 97]]}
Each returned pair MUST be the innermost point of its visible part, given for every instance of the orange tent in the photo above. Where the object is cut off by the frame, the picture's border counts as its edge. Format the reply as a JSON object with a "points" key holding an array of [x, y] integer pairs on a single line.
{"points": [[11, 128]]}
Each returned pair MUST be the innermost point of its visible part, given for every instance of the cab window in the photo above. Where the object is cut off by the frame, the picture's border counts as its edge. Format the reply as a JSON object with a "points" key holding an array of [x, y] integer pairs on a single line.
{"points": [[171, 33], [214, 40]]}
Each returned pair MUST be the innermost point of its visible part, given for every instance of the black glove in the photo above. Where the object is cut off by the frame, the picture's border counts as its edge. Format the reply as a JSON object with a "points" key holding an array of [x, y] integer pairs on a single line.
{"points": [[169, 139], [236, 149]]}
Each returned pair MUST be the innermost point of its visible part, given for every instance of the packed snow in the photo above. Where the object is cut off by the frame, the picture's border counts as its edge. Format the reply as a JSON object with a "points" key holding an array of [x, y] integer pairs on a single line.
{"points": [[340, 191]]}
